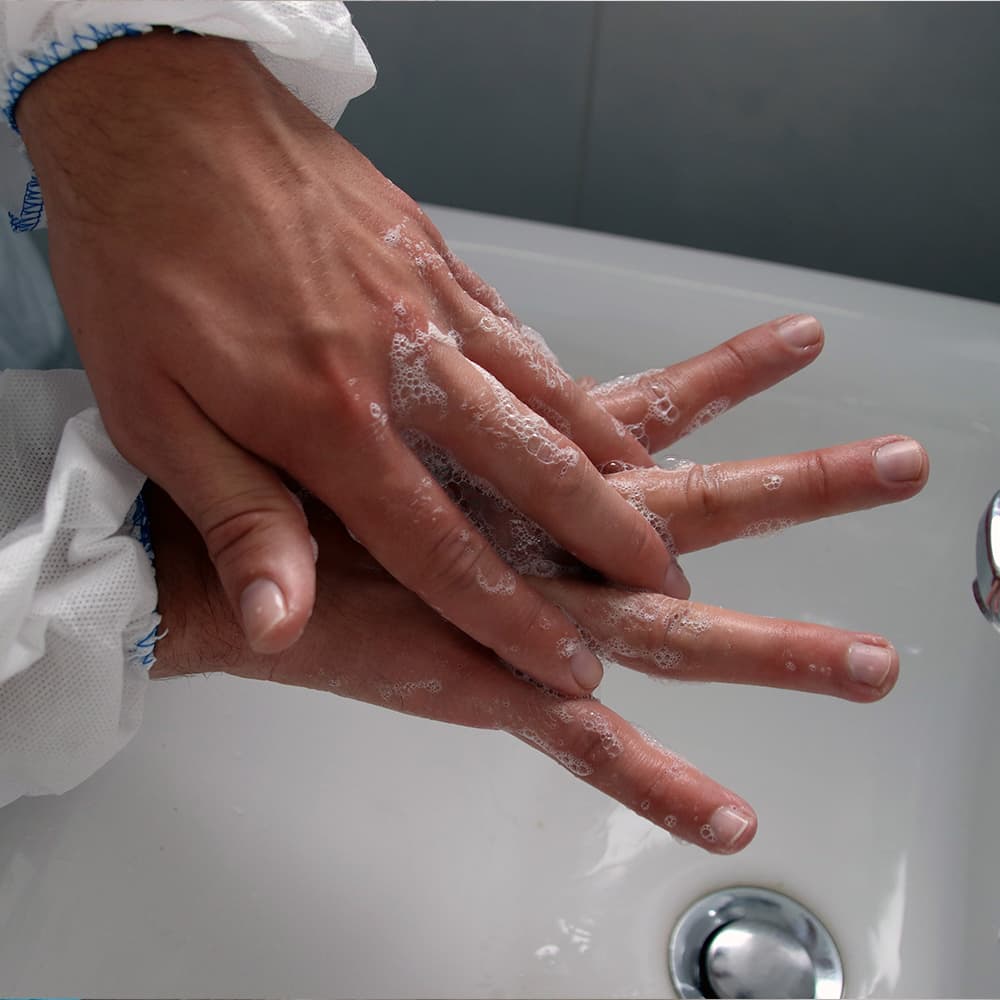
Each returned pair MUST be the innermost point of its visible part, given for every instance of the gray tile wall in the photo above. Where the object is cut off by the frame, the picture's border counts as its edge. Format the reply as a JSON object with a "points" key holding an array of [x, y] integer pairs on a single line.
{"points": [[479, 105], [857, 138]]}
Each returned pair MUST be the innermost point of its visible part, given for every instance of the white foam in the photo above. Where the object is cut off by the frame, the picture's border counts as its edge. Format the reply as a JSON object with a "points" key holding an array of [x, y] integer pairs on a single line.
{"points": [[380, 419], [504, 586], [671, 617], [707, 414], [527, 346], [660, 408], [595, 723], [551, 416], [650, 739], [568, 647], [502, 418], [411, 386], [766, 528], [632, 486], [574, 764], [673, 463], [668, 659], [772, 482], [403, 689], [560, 711], [521, 543], [422, 254]]}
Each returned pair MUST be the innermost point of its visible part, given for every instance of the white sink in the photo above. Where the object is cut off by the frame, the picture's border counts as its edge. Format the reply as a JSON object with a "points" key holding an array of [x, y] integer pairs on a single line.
{"points": [[260, 841]]}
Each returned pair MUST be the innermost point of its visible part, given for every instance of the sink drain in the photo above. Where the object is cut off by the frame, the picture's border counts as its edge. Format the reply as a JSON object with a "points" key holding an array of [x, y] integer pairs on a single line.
{"points": [[749, 942]]}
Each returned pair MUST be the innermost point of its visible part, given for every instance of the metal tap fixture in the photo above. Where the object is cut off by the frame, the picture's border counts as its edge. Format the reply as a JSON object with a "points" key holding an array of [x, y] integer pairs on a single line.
{"points": [[986, 586]]}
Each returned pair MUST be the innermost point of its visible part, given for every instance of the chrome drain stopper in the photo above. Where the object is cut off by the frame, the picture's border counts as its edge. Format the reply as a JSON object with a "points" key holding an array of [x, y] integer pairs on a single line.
{"points": [[749, 942]]}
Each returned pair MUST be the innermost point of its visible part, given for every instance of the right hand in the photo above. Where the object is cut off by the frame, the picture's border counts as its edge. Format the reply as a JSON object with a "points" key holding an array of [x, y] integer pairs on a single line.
{"points": [[252, 298]]}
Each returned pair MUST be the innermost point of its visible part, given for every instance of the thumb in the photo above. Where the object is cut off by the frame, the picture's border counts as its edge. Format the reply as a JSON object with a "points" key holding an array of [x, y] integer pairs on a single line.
{"points": [[254, 528]]}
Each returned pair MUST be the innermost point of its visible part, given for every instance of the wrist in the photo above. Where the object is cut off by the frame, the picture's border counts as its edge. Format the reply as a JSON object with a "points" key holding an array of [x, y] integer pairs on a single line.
{"points": [[104, 127], [201, 634]]}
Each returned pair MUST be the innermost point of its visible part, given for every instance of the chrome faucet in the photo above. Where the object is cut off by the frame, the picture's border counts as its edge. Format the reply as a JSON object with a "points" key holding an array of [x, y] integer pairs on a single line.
{"points": [[986, 586]]}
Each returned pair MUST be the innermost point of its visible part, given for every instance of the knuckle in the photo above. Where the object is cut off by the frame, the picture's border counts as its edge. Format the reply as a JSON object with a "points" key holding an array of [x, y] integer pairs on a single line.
{"points": [[572, 484], [638, 543], [818, 476], [730, 364], [734, 359], [434, 235], [452, 561], [232, 525], [703, 490], [667, 621], [338, 391], [596, 742], [539, 621], [655, 787], [590, 748]]}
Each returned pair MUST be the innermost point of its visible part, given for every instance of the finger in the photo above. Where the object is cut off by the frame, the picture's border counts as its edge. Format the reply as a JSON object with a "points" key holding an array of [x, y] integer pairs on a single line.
{"points": [[496, 437], [709, 504], [605, 751], [444, 675], [477, 289], [424, 666], [253, 528], [452, 566], [665, 404], [494, 338], [518, 357], [665, 637]]}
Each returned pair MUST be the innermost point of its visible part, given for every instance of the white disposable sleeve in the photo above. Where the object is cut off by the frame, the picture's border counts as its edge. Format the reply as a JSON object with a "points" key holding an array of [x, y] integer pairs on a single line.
{"points": [[311, 47], [77, 593]]}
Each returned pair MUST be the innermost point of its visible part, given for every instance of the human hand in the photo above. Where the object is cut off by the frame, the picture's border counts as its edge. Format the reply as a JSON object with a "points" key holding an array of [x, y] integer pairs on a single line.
{"points": [[253, 300], [424, 666]]}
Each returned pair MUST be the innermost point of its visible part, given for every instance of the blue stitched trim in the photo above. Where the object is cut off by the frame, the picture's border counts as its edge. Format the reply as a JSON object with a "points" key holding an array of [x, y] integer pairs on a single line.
{"points": [[56, 52], [139, 518], [31, 208], [145, 648], [31, 69]]}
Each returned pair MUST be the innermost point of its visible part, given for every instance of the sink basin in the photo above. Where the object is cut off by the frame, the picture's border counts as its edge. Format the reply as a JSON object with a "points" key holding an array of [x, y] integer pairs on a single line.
{"points": [[261, 841]]}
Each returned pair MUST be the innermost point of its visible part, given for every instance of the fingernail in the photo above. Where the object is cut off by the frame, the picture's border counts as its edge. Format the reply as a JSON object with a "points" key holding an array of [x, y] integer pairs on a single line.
{"points": [[315, 548], [675, 584], [900, 461], [263, 608], [869, 664], [800, 331], [728, 825], [586, 669]]}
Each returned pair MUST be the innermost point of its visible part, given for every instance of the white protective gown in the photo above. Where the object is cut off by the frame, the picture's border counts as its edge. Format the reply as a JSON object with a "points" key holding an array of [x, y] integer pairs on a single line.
{"points": [[77, 590]]}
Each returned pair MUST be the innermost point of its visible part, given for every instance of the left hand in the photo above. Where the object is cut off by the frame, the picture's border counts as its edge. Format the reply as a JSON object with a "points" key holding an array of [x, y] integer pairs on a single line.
{"points": [[394, 651]]}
